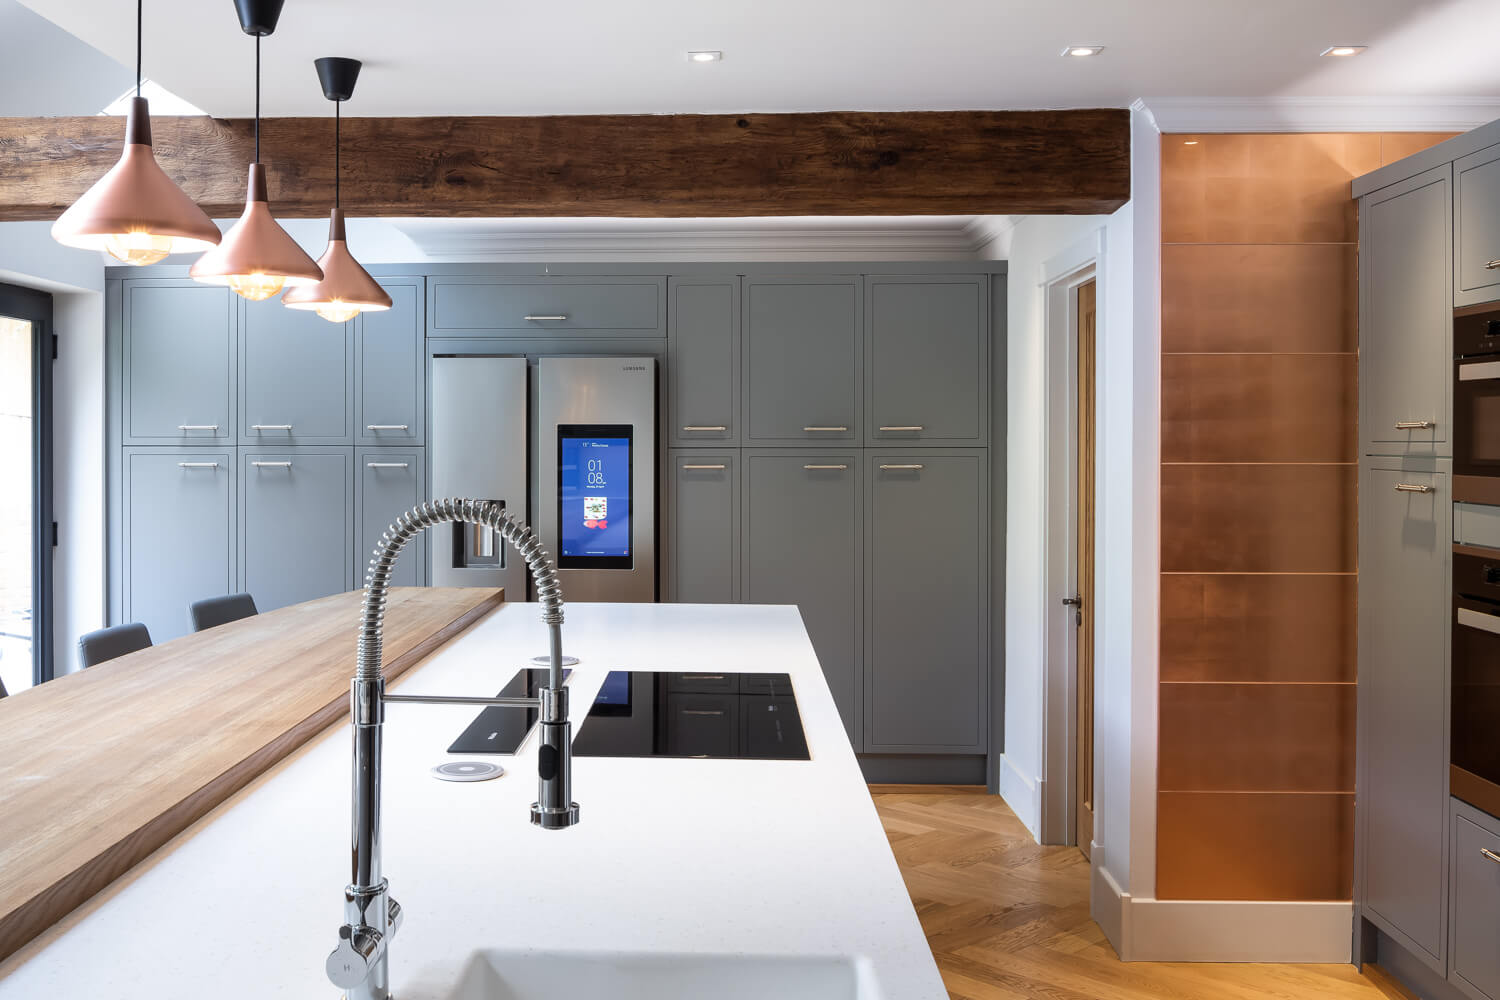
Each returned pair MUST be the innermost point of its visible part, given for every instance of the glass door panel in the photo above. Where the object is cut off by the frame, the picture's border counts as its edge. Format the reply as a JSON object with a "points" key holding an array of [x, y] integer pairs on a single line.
{"points": [[17, 507]]}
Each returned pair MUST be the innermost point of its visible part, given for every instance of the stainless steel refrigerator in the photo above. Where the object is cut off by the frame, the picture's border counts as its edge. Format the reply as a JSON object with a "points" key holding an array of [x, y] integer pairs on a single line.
{"points": [[569, 443]]}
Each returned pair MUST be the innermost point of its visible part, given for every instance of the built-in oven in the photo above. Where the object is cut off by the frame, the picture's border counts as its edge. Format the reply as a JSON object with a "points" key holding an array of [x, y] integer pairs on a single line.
{"points": [[1476, 405], [1475, 752]]}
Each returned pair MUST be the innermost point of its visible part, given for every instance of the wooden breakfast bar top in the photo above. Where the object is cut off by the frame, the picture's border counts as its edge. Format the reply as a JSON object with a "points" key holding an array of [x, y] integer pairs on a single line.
{"points": [[100, 768]]}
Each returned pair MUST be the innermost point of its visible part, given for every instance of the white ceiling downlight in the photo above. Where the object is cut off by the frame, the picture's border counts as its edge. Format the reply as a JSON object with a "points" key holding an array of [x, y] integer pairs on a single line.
{"points": [[705, 55], [1343, 51], [1082, 51]]}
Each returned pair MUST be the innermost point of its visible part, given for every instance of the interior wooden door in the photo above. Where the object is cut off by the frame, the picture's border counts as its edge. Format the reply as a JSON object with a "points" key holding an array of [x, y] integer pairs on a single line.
{"points": [[1084, 785]]}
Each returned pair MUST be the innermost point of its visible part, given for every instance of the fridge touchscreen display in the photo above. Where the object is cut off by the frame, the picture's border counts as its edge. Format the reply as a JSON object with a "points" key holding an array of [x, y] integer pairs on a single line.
{"points": [[593, 496]]}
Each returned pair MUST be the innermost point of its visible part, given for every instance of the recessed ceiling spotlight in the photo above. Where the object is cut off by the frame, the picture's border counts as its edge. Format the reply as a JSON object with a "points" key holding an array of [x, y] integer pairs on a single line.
{"points": [[705, 56], [1080, 51], [1190, 142], [1343, 50]]}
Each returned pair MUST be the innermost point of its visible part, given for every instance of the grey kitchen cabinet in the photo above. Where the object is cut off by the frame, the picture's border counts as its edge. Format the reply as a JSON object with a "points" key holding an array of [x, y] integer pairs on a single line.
{"points": [[703, 366], [704, 510], [543, 306], [927, 359], [926, 592], [390, 484], [1404, 620], [1476, 227], [1406, 316], [178, 534], [802, 540], [803, 351], [296, 524], [1474, 887], [297, 377], [389, 354], [178, 363]]}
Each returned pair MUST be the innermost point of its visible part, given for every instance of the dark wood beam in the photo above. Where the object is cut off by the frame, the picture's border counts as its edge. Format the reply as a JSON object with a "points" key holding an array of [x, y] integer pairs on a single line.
{"points": [[673, 166]]}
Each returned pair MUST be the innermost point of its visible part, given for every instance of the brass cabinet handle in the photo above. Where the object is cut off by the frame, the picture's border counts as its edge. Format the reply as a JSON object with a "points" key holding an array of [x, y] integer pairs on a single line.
{"points": [[825, 429], [1414, 488], [1414, 425], [1490, 854], [814, 468], [911, 427], [703, 468], [705, 427], [902, 468], [1492, 265]]}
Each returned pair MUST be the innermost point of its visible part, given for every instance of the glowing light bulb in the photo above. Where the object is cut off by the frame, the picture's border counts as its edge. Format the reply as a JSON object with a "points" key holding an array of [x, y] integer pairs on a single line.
{"points": [[337, 312], [256, 286], [138, 248]]}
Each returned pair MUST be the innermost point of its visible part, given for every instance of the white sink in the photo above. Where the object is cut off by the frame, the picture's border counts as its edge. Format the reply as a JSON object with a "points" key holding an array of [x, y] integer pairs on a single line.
{"points": [[507, 975]]}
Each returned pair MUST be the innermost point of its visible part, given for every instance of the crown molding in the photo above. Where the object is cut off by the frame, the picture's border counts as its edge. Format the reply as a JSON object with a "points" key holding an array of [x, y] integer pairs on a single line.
{"points": [[925, 238], [1320, 114]]}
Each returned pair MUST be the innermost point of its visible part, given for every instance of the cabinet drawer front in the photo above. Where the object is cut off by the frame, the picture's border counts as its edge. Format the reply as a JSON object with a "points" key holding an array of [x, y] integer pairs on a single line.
{"points": [[802, 361], [297, 381], [178, 535], [178, 363], [927, 360], [390, 380], [1475, 949], [297, 542], [540, 307], [1476, 227], [390, 483]]}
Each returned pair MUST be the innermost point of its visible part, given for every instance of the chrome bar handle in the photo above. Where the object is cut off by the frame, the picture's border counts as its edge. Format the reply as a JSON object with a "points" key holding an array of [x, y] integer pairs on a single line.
{"points": [[813, 429], [1491, 266], [270, 427], [197, 465], [1485, 851], [386, 427], [551, 319], [894, 427], [902, 468], [197, 427], [387, 465], [1414, 488], [815, 468], [272, 465], [705, 427], [703, 468], [1414, 425]]}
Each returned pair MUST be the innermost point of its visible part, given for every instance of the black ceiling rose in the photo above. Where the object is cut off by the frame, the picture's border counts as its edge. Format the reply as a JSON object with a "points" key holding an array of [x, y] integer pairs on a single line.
{"points": [[337, 76], [258, 17]]}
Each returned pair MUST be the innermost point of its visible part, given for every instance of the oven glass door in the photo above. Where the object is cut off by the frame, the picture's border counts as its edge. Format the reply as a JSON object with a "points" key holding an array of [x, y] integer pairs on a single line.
{"points": [[1476, 422], [1476, 669]]}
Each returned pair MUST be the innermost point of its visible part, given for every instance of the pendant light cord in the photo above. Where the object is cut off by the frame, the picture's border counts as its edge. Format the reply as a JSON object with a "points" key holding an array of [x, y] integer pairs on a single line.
{"points": [[337, 142], [257, 98], [139, 13]]}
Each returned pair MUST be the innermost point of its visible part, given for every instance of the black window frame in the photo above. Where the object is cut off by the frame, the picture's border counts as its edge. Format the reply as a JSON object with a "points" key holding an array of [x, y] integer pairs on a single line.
{"points": [[35, 306]]}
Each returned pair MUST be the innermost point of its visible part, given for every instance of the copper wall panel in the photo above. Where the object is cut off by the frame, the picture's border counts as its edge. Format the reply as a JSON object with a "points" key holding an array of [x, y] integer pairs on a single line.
{"points": [[1258, 518], [1263, 188], [1296, 627], [1256, 738], [1269, 297], [1253, 845], [1399, 145], [1258, 408]]}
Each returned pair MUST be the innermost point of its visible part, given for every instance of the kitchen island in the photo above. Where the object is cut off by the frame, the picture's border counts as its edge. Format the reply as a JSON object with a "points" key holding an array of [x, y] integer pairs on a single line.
{"points": [[682, 859]]}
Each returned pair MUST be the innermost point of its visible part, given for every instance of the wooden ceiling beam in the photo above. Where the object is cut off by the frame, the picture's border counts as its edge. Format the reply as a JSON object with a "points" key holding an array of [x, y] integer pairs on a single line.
{"points": [[648, 166]]}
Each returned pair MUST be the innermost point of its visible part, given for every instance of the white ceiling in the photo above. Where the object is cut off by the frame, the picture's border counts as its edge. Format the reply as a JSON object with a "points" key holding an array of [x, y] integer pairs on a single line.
{"points": [[496, 57]]}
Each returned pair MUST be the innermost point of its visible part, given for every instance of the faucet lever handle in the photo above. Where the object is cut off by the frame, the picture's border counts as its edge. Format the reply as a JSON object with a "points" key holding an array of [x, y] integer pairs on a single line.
{"points": [[358, 949]]}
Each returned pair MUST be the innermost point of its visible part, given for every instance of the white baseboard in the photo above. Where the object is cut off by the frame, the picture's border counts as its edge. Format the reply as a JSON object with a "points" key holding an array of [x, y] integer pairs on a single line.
{"points": [[1171, 930], [1023, 795], [1107, 903]]}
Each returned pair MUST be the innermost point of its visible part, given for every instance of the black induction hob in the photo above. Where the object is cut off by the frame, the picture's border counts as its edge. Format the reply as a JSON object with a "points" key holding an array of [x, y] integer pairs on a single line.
{"points": [[503, 730], [647, 713]]}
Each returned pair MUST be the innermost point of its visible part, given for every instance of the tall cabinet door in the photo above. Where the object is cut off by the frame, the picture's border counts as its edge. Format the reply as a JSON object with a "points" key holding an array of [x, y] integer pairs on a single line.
{"points": [[296, 538], [178, 363], [927, 359], [927, 590], [297, 386], [1476, 222], [703, 371], [803, 344], [178, 516], [1406, 316], [390, 353], [802, 545], [390, 484], [704, 506], [1404, 560]]}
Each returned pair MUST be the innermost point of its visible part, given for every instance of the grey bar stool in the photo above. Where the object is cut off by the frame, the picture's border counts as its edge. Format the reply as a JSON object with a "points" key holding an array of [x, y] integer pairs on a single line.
{"points": [[108, 643], [220, 610]]}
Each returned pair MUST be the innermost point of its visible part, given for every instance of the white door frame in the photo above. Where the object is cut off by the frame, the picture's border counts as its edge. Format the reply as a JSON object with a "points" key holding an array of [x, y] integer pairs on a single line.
{"points": [[1061, 275]]}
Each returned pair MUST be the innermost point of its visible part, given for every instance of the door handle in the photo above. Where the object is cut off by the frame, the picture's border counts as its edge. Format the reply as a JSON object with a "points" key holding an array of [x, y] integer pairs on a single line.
{"points": [[1414, 488], [1073, 602], [197, 427], [1491, 266], [893, 427], [1414, 425], [386, 427], [830, 429], [705, 427], [272, 465], [902, 468], [1076, 603], [197, 465], [1486, 852], [387, 465], [821, 468], [703, 468], [550, 319], [270, 427]]}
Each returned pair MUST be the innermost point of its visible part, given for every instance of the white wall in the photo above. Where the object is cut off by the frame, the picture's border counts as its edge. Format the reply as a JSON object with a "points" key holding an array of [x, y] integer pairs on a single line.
{"points": [[30, 257]]}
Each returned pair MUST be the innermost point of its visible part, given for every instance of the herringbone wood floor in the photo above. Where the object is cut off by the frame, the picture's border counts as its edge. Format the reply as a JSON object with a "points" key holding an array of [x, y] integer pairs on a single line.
{"points": [[1008, 919]]}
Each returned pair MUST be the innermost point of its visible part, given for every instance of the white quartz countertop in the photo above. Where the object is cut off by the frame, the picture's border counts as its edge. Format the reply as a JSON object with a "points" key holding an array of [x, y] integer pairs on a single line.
{"points": [[672, 856]]}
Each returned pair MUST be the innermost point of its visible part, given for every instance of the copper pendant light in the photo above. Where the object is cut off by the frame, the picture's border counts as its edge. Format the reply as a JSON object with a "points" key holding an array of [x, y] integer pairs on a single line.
{"points": [[135, 213], [347, 288], [257, 256]]}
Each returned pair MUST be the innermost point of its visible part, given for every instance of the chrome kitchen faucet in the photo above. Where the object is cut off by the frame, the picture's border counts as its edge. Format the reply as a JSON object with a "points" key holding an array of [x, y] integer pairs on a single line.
{"points": [[360, 962]]}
